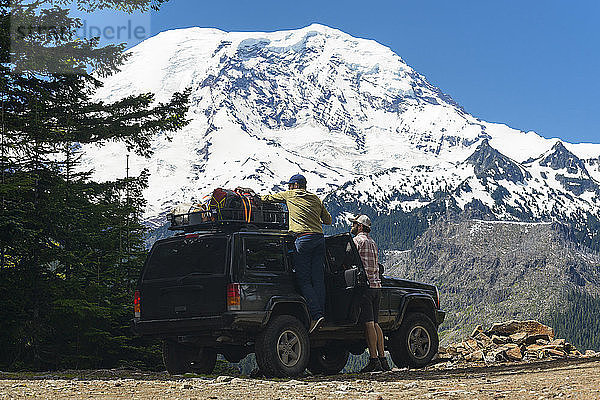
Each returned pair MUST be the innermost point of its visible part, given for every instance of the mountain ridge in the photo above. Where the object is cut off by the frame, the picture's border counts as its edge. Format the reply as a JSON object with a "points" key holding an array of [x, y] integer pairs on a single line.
{"points": [[345, 112]]}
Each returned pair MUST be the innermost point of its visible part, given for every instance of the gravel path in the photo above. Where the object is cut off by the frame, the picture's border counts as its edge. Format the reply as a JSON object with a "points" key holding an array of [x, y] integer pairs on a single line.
{"points": [[549, 380]]}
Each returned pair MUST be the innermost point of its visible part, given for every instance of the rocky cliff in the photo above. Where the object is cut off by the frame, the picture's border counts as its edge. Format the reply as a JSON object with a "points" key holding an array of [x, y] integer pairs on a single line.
{"points": [[490, 271]]}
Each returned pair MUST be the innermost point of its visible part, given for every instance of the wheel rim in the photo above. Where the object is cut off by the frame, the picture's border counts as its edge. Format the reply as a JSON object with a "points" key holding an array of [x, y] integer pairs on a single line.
{"points": [[419, 342], [289, 348]]}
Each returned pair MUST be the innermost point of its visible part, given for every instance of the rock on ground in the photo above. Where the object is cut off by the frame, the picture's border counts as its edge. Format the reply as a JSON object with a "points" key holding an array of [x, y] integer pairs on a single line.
{"points": [[510, 341]]}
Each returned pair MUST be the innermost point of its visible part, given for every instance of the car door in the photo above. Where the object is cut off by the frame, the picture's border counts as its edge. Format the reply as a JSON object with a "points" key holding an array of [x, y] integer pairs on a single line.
{"points": [[345, 279]]}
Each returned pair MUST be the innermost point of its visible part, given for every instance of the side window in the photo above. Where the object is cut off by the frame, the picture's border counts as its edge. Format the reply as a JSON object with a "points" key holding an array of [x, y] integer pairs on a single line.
{"points": [[264, 254]]}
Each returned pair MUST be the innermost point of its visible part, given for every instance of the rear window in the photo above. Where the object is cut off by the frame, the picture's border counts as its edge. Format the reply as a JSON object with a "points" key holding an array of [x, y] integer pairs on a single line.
{"points": [[184, 257]]}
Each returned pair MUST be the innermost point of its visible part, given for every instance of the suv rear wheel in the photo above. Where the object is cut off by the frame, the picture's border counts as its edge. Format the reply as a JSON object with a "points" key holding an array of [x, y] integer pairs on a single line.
{"points": [[179, 358], [327, 360], [415, 343], [282, 349], [175, 357], [204, 360]]}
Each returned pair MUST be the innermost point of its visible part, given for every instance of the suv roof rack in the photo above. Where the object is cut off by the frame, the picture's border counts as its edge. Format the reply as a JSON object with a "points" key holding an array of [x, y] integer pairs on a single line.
{"points": [[229, 229], [228, 219]]}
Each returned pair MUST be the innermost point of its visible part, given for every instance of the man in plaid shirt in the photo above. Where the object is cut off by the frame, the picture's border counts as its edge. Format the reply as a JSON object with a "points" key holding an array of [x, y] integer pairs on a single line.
{"points": [[367, 249]]}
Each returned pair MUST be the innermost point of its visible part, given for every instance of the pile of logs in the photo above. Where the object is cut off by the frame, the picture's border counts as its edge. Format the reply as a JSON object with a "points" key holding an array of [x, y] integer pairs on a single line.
{"points": [[512, 341]]}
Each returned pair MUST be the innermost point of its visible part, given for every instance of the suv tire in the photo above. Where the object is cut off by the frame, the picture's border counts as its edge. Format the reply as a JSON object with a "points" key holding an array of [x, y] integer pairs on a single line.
{"points": [[204, 361], [328, 360], [179, 359], [176, 357], [415, 343], [282, 349]]}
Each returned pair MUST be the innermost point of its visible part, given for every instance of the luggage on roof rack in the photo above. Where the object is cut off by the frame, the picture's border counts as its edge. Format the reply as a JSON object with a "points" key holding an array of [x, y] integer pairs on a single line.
{"points": [[239, 207]]}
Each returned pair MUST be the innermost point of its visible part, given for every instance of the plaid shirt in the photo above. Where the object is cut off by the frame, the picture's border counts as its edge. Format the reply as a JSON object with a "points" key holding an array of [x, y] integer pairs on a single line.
{"points": [[367, 249]]}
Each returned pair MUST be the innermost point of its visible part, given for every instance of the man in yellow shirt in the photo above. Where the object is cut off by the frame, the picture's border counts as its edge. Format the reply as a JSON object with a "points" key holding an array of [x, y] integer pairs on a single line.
{"points": [[306, 214]]}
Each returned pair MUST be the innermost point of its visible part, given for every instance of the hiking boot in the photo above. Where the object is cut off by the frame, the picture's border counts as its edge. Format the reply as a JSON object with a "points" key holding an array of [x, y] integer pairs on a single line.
{"points": [[314, 325], [384, 364], [372, 366]]}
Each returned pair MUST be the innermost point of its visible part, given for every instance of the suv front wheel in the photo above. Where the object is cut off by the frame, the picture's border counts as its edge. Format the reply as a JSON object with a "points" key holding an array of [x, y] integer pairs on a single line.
{"points": [[282, 349], [329, 360], [415, 343]]}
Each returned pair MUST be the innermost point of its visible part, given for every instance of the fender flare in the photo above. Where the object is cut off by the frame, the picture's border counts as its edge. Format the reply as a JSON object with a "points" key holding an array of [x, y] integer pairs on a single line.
{"points": [[294, 301], [407, 300]]}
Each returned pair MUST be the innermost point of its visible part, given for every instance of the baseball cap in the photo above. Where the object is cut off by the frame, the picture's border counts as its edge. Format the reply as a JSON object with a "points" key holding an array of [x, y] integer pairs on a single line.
{"points": [[296, 179], [361, 219]]}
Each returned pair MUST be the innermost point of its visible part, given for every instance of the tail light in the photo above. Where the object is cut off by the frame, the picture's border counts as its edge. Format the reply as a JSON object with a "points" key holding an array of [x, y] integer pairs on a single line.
{"points": [[437, 297], [233, 296], [137, 305]]}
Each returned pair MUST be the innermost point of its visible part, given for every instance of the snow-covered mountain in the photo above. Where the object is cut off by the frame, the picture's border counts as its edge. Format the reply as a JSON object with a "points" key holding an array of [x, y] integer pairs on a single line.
{"points": [[555, 185], [351, 115]]}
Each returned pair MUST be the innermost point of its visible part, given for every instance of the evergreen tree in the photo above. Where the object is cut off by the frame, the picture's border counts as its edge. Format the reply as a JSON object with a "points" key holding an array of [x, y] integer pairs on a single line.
{"points": [[578, 322], [70, 248]]}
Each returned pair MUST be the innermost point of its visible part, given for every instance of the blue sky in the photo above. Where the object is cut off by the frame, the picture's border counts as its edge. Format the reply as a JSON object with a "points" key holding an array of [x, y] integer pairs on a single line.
{"points": [[530, 64]]}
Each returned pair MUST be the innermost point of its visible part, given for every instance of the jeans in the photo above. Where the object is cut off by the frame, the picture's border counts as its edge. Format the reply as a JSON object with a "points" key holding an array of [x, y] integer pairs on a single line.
{"points": [[309, 260]]}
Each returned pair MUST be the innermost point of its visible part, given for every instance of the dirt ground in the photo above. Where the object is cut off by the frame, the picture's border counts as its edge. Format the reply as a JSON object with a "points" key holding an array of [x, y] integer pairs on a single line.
{"points": [[574, 379]]}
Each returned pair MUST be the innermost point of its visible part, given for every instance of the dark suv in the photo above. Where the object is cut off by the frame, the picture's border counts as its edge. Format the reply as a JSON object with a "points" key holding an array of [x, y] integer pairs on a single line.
{"points": [[233, 292]]}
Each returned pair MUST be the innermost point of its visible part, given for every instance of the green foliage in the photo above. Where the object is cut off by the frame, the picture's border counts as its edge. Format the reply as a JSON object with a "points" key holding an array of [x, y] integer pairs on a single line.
{"points": [[578, 323], [70, 249], [395, 229]]}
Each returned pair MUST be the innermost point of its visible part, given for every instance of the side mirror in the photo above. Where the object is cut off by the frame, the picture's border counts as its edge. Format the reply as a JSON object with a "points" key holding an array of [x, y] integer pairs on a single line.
{"points": [[381, 269]]}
